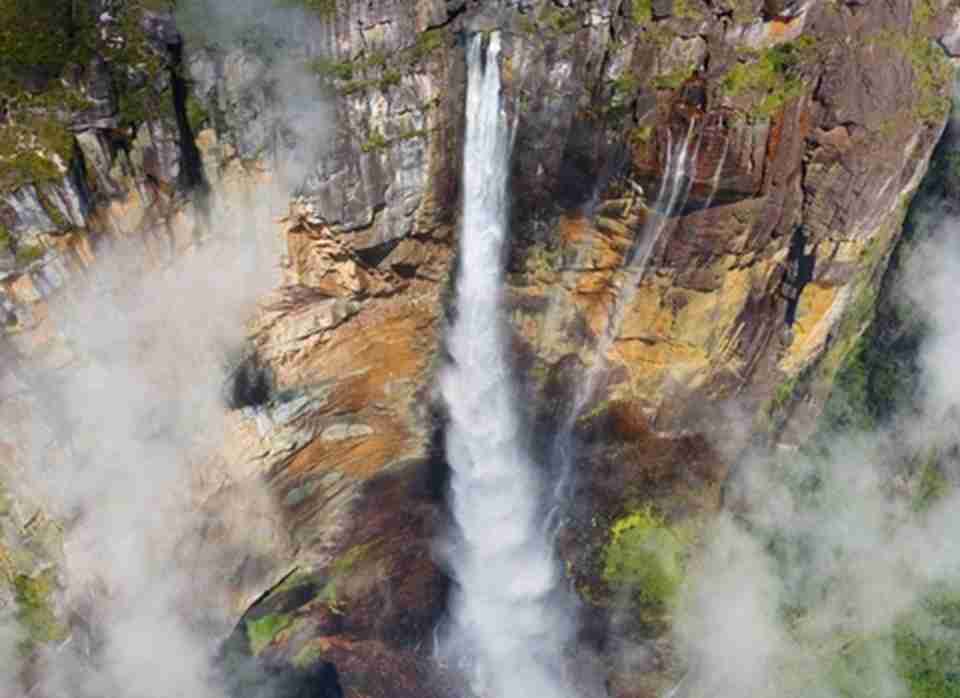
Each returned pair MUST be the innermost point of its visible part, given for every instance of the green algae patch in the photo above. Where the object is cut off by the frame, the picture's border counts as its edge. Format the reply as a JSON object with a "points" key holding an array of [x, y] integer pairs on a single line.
{"points": [[34, 596], [647, 556], [262, 631]]}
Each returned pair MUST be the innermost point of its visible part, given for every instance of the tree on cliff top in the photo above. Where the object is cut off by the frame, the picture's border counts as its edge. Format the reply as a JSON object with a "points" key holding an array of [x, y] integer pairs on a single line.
{"points": [[38, 38]]}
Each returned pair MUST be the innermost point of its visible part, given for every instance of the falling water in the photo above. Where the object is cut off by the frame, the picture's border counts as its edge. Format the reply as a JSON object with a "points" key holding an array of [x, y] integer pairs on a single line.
{"points": [[674, 189], [715, 182], [504, 627]]}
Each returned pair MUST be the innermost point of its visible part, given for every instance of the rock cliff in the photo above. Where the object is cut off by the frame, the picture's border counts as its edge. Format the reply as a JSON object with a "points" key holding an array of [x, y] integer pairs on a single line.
{"points": [[809, 127]]}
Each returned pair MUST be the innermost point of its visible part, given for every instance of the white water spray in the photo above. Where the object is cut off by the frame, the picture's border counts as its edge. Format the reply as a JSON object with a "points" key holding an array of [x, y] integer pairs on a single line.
{"points": [[506, 627]]}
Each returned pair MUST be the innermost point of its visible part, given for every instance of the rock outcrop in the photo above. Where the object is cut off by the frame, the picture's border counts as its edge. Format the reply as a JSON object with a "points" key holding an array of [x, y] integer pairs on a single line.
{"points": [[808, 127]]}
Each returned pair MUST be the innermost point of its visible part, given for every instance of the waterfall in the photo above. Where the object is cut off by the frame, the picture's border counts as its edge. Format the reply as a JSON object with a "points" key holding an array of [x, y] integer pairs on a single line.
{"points": [[674, 189], [673, 195], [715, 182], [506, 627]]}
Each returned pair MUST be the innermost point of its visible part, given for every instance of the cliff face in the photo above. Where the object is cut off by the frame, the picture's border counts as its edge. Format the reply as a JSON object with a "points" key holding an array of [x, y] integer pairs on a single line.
{"points": [[808, 129]]}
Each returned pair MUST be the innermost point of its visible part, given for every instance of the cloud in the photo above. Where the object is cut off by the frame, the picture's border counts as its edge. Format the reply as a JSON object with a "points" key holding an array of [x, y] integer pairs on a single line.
{"points": [[837, 547], [123, 444]]}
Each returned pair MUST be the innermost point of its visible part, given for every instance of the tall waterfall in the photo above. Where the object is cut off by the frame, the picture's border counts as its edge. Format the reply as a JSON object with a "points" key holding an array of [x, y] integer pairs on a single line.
{"points": [[504, 625]]}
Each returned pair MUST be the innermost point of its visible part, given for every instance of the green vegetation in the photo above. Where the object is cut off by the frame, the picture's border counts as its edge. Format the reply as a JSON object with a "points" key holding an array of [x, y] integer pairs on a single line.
{"points": [[560, 20], [933, 75], [924, 12], [352, 76], [197, 115], [391, 78], [596, 411], [860, 668], [770, 75], [640, 135], [641, 11], [784, 394], [335, 70], [27, 152], [866, 384], [39, 38], [686, 9], [848, 407], [675, 78], [340, 569], [34, 596], [375, 142], [344, 72], [923, 648], [427, 43], [20, 167], [308, 656], [932, 71], [29, 253], [927, 647], [262, 631], [324, 8], [542, 259], [646, 556], [623, 92], [56, 216], [40, 41], [932, 484]]}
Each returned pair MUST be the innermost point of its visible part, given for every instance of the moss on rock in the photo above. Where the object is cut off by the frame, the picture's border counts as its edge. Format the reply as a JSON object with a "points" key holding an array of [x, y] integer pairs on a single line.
{"points": [[646, 556], [262, 631], [35, 614], [340, 569], [770, 76]]}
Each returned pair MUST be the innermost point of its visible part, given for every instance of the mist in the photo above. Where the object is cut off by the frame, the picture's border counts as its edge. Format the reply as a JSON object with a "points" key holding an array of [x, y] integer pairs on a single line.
{"points": [[124, 443], [835, 558]]}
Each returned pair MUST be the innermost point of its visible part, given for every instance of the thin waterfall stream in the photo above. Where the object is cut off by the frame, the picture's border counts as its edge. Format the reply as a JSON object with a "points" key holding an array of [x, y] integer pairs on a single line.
{"points": [[672, 196]]}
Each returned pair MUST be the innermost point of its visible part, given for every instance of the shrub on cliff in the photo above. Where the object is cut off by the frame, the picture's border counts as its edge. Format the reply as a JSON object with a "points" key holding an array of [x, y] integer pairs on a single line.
{"points": [[38, 38], [645, 556]]}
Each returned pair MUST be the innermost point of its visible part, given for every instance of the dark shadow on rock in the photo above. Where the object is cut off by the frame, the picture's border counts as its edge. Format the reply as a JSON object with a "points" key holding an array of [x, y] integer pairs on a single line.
{"points": [[250, 384], [798, 274], [251, 679]]}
